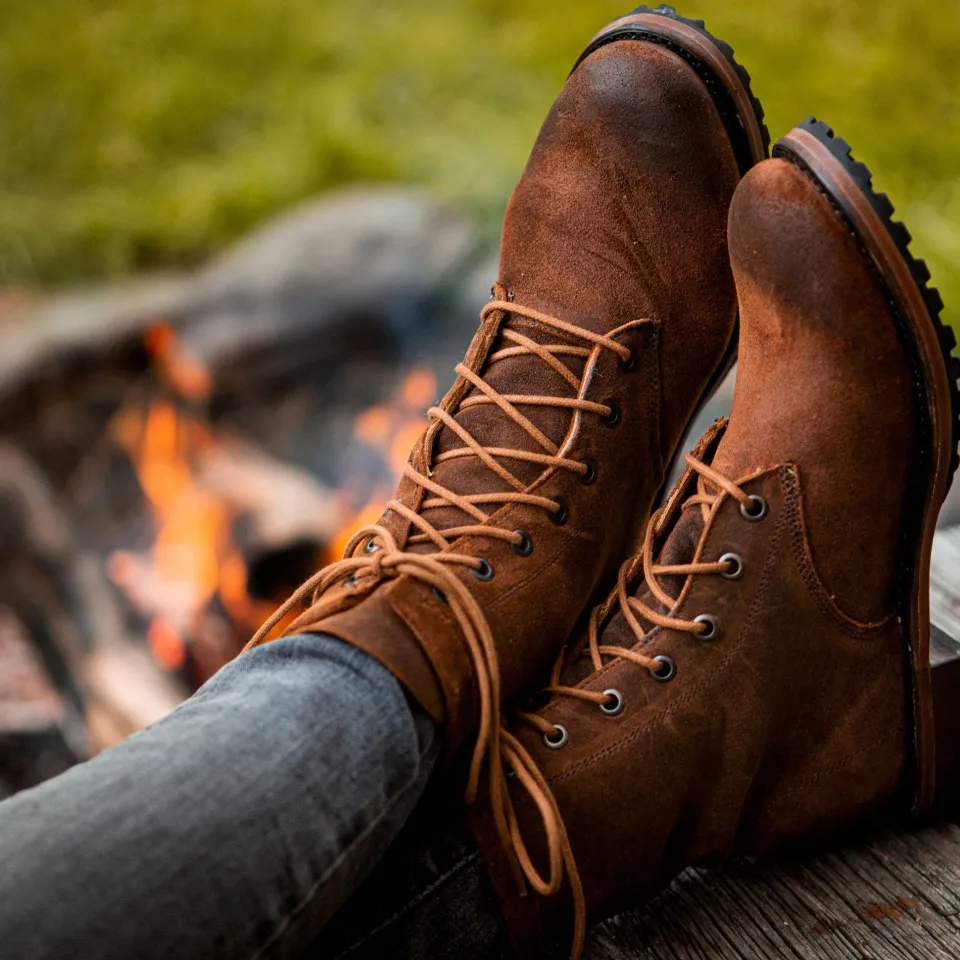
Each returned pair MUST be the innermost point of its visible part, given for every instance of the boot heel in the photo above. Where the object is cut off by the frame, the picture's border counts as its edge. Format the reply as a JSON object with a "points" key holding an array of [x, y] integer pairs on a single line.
{"points": [[945, 683]]}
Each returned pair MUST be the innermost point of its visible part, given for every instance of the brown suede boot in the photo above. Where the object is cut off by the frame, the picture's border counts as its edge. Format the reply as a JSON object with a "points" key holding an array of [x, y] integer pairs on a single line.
{"points": [[613, 320], [767, 679]]}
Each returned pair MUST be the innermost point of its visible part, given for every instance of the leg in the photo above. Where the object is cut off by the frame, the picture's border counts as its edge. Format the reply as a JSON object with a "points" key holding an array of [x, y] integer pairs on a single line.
{"points": [[233, 828]]}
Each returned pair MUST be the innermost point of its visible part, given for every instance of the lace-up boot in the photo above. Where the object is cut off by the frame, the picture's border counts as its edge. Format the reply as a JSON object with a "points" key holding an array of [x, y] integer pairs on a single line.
{"points": [[761, 673]]}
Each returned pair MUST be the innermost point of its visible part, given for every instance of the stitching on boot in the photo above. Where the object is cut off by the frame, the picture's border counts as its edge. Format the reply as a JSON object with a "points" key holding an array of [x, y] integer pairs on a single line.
{"points": [[826, 604]]}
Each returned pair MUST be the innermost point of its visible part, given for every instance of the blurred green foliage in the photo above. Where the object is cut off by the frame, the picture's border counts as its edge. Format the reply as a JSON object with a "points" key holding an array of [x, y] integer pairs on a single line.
{"points": [[139, 134]]}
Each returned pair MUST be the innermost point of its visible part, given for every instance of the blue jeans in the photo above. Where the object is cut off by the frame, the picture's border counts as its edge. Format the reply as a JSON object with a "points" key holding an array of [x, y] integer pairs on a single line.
{"points": [[238, 826]]}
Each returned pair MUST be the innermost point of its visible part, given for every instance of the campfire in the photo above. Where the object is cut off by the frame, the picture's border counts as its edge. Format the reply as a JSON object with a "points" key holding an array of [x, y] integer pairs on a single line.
{"points": [[198, 533], [191, 583]]}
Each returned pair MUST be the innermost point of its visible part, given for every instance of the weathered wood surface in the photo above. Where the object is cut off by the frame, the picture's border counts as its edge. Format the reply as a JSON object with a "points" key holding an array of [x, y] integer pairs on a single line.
{"points": [[892, 896]]}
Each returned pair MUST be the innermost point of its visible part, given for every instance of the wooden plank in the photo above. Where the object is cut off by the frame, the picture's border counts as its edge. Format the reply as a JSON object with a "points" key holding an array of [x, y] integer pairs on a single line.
{"points": [[892, 897]]}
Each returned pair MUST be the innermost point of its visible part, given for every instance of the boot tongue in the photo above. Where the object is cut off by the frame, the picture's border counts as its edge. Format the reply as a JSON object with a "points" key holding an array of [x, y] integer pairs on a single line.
{"points": [[677, 545], [490, 426], [680, 547]]}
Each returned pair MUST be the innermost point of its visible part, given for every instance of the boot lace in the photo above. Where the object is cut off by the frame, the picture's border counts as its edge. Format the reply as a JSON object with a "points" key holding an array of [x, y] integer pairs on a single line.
{"points": [[382, 558], [712, 487]]}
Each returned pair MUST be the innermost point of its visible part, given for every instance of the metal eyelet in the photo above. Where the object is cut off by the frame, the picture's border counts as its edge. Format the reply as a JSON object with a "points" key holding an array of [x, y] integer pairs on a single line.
{"points": [[611, 709], [561, 740], [371, 546], [613, 417], [560, 516], [712, 624], [667, 669], [525, 547], [736, 563], [351, 581], [629, 364], [484, 571], [587, 478], [757, 512]]}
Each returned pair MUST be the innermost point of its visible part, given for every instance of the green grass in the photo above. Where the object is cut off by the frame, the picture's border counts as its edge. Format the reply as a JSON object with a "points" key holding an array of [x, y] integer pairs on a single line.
{"points": [[139, 134]]}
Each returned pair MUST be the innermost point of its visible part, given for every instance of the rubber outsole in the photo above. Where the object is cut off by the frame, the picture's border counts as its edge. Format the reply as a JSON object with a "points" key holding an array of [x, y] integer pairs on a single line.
{"points": [[749, 147], [847, 185]]}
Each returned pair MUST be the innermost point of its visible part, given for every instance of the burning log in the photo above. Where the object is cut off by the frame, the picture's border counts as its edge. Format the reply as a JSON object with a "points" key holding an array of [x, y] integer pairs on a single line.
{"points": [[236, 530], [41, 705], [280, 504], [41, 731], [220, 506], [125, 692]]}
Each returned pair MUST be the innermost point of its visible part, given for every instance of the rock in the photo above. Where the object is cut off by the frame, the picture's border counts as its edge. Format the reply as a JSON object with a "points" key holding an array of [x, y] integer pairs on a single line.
{"points": [[380, 258], [44, 336]]}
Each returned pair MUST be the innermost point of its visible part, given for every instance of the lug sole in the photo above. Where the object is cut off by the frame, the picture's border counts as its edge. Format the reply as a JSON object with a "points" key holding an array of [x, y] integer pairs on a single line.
{"points": [[847, 185], [728, 83]]}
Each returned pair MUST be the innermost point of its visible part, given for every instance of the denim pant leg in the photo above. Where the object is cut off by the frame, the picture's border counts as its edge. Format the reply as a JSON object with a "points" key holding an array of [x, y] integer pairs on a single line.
{"points": [[233, 828], [428, 898]]}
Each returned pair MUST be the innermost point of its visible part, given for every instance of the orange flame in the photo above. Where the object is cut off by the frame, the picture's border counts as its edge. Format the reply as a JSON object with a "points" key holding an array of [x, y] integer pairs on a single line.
{"points": [[166, 644], [185, 373], [193, 558], [391, 429], [194, 561]]}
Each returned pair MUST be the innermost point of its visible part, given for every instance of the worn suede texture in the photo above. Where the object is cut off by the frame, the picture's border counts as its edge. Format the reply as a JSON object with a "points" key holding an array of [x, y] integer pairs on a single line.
{"points": [[795, 722], [827, 381], [617, 225]]}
